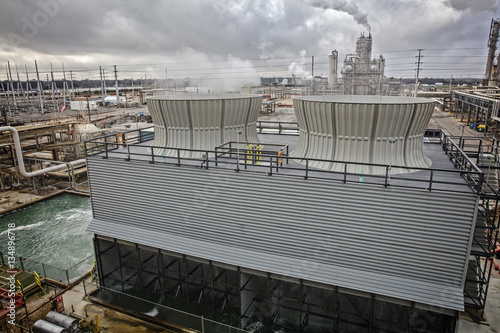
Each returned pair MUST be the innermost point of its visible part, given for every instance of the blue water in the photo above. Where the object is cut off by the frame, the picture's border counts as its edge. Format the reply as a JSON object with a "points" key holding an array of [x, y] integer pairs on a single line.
{"points": [[51, 231]]}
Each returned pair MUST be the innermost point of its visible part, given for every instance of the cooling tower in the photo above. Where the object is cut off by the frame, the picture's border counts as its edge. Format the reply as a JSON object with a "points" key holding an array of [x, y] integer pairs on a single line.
{"points": [[359, 128], [203, 121]]}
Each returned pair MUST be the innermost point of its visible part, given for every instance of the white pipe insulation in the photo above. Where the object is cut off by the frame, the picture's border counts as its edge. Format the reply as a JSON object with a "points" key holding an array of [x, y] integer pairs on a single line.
{"points": [[20, 157]]}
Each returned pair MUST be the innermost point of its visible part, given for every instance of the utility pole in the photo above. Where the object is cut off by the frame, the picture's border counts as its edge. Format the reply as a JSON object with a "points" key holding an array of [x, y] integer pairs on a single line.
{"points": [[116, 87], [64, 85], [72, 87], [40, 88], [12, 88], [8, 93], [313, 88], [19, 86], [28, 85], [312, 66], [104, 79], [53, 87], [418, 69], [102, 85]]}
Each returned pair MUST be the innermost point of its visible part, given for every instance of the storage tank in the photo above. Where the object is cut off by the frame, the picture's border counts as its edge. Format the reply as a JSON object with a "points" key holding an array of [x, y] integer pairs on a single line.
{"points": [[43, 326], [203, 121], [70, 323], [363, 129]]}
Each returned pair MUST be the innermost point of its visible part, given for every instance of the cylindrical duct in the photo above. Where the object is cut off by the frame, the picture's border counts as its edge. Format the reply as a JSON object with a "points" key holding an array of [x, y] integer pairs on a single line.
{"points": [[43, 326], [203, 121], [62, 320], [358, 129]]}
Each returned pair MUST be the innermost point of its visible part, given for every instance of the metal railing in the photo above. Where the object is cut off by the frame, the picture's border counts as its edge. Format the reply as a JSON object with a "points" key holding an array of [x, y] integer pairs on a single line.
{"points": [[63, 275], [462, 162], [237, 155], [278, 127]]}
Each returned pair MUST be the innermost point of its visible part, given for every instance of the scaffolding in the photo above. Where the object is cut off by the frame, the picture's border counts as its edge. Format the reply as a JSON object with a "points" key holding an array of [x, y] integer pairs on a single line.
{"points": [[485, 154]]}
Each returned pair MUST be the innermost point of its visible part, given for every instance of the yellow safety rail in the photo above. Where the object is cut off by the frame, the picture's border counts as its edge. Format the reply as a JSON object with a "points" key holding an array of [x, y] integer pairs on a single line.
{"points": [[37, 279], [249, 154], [92, 275], [280, 154], [20, 287], [97, 323], [254, 155]]}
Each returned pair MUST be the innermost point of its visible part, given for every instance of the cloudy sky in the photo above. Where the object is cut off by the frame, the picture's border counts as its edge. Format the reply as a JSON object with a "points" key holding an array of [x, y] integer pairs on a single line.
{"points": [[243, 39]]}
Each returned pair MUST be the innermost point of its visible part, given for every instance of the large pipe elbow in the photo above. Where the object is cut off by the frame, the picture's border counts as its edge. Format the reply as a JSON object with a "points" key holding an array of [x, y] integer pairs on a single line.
{"points": [[20, 157]]}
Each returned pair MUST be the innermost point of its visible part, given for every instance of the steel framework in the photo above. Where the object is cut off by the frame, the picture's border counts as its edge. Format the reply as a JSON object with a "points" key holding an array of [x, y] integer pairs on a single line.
{"points": [[220, 292]]}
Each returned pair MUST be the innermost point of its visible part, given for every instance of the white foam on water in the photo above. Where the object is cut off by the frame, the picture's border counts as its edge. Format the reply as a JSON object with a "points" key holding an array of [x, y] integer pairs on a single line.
{"points": [[23, 227]]}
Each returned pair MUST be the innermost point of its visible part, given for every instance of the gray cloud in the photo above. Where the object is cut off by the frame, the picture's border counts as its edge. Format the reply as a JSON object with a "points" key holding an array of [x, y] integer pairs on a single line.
{"points": [[194, 37], [477, 5]]}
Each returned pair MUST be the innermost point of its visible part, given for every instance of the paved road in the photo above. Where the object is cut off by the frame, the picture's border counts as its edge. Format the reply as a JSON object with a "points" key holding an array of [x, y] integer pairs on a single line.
{"points": [[447, 121], [492, 310]]}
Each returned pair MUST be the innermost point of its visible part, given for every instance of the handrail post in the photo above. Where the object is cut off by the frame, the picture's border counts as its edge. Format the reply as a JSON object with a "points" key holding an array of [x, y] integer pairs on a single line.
{"points": [[206, 159], [178, 157], [386, 176], [430, 180], [245, 159], [480, 183], [345, 172], [152, 155], [270, 165], [105, 147], [216, 153]]}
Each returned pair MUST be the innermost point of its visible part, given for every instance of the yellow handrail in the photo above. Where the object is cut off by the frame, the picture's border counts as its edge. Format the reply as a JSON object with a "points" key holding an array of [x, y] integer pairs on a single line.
{"points": [[37, 279]]}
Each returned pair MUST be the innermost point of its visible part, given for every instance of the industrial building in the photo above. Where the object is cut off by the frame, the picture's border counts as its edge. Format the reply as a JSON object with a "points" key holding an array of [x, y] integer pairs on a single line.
{"points": [[360, 74], [348, 226]]}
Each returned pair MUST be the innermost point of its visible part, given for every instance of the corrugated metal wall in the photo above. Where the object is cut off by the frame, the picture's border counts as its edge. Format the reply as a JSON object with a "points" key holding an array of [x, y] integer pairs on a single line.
{"points": [[409, 244]]}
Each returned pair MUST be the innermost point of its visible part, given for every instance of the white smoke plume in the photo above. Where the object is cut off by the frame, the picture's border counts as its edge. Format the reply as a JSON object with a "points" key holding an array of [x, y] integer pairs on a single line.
{"points": [[342, 6], [298, 68]]}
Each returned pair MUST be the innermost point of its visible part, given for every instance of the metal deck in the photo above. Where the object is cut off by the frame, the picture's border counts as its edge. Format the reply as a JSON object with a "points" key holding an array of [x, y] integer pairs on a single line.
{"points": [[443, 174]]}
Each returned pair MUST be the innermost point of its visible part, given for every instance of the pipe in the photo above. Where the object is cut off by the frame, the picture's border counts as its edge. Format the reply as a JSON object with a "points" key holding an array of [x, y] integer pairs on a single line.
{"points": [[20, 157]]}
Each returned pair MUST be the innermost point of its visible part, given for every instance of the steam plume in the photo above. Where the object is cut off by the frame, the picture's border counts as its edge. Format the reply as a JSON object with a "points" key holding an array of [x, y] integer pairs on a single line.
{"points": [[342, 6]]}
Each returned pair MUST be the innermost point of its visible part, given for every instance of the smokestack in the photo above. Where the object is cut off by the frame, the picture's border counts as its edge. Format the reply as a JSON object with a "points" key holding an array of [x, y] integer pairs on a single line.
{"points": [[492, 46], [332, 70]]}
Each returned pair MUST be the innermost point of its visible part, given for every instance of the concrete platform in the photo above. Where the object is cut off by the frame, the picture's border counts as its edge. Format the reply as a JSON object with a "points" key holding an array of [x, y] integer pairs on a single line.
{"points": [[492, 311]]}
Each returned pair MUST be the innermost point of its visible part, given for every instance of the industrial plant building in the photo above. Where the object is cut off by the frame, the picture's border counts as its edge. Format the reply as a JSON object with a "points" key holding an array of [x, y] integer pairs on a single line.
{"points": [[360, 74], [353, 225]]}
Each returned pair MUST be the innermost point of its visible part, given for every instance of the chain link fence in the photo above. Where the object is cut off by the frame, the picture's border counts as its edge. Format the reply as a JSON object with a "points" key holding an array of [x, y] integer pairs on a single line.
{"points": [[63, 275], [161, 312]]}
